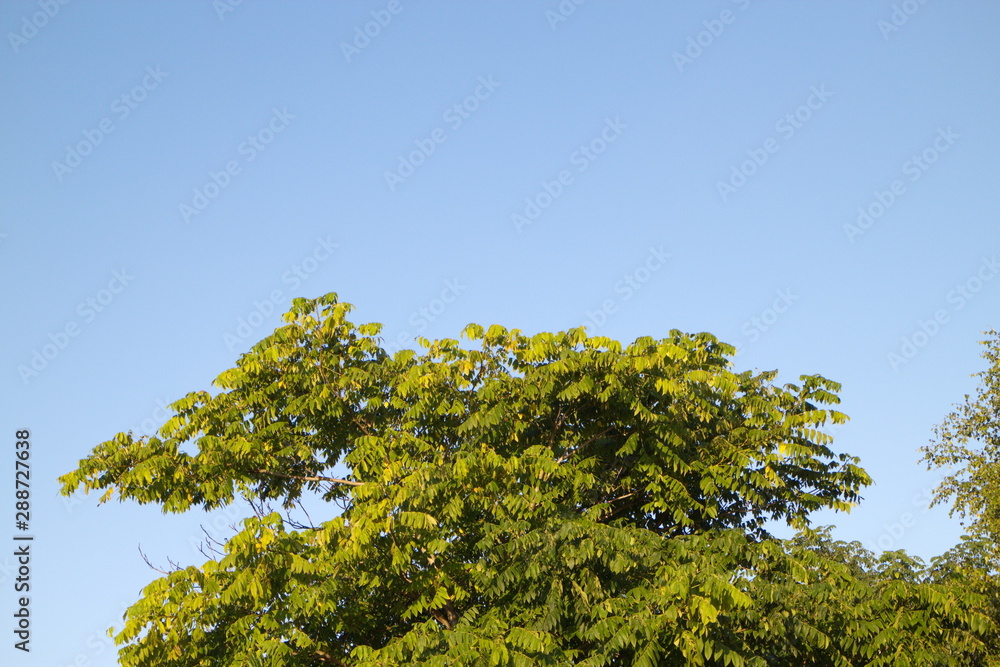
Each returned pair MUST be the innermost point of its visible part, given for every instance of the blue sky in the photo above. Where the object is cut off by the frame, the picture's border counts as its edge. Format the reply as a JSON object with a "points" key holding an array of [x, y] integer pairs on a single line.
{"points": [[808, 181]]}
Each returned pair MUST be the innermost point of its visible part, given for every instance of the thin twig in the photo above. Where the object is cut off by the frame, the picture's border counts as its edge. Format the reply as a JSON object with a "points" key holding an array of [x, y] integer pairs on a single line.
{"points": [[303, 478], [570, 452], [145, 558]]}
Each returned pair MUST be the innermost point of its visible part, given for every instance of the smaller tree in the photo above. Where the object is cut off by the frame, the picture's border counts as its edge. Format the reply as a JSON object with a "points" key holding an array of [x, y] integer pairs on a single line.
{"points": [[967, 443]]}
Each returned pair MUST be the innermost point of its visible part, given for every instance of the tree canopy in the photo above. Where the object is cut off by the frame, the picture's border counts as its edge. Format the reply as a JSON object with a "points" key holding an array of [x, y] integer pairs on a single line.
{"points": [[555, 499], [968, 443]]}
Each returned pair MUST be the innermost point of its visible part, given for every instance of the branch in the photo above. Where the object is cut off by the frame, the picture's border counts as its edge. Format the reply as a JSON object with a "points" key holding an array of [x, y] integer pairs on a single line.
{"points": [[555, 426], [210, 543], [621, 508], [146, 558], [320, 655], [304, 478], [446, 615], [569, 452], [306, 512], [326, 657]]}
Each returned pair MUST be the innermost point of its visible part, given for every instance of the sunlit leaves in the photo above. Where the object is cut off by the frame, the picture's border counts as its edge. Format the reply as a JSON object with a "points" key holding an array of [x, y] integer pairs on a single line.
{"points": [[555, 499]]}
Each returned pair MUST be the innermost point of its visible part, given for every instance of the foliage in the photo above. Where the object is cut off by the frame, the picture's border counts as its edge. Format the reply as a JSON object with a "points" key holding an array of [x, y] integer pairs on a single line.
{"points": [[969, 439], [967, 443], [548, 500]]}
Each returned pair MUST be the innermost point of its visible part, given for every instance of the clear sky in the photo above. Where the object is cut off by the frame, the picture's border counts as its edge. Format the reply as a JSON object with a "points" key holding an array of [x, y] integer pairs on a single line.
{"points": [[810, 181]]}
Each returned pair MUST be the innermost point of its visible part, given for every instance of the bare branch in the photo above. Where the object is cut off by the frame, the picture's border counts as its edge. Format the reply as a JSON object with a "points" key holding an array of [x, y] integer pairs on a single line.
{"points": [[208, 547], [306, 512], [146, 558]]}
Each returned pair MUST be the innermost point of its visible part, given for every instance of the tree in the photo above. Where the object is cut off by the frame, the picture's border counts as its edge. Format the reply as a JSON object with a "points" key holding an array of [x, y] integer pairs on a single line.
{"points": [[967, 443], [968, 440], [547, 500]]}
